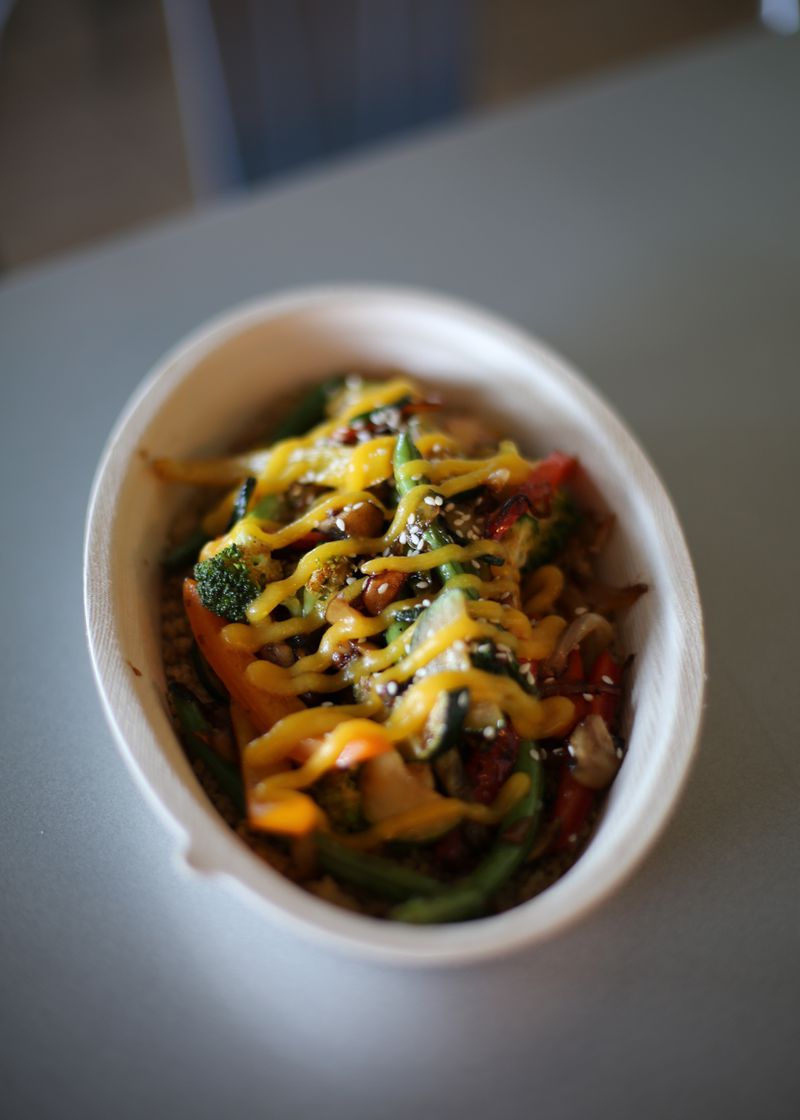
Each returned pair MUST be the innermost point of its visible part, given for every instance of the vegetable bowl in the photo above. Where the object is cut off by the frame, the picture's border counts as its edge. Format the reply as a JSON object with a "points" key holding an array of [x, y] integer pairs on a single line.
{"points": [[209, 399]]}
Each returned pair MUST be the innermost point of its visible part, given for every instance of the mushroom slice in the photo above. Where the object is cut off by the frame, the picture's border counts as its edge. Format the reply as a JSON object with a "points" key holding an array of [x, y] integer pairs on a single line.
{"points": [[594, 754]]}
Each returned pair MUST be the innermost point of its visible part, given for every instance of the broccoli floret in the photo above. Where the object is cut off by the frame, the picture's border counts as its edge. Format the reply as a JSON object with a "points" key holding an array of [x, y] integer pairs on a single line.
{"points": [[230, 579], [338, 795], [554, 531]]}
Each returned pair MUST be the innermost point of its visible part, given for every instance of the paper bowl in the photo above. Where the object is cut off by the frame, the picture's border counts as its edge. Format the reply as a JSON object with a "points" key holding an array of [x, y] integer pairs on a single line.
{"points": [[204, 395]]}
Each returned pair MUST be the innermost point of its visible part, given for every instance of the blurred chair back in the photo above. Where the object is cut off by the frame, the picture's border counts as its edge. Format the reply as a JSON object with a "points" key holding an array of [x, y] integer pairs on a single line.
{"points": [[265, 86]]}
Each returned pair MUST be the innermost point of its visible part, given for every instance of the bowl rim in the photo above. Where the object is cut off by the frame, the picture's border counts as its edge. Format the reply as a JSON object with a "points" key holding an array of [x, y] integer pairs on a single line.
{"points": [[316, 920]]}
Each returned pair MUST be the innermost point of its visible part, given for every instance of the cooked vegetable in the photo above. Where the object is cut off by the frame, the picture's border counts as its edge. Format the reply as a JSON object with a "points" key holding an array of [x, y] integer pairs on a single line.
{"points": [[240, 502], [443, 727], [230, 663], [226, 583], [433, 533], [594, 753], [373, 874], [339, 797], [196, 731], [309, 410], [398, 665], [471, 896]]}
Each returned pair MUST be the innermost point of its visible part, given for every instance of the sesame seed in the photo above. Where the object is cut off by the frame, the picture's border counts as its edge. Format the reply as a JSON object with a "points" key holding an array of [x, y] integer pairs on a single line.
{"points": [[573, 836], [326, 704], [489, 732], [426, 602], [606, 680], [392, 688], [402, 538], [588, 696], [449, 507], [430, 500], [580, 610], [383, 588], [340, 524]]}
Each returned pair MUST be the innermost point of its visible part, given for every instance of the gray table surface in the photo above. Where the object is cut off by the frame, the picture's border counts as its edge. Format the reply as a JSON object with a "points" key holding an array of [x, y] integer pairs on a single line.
{"points": [[647, 225]]}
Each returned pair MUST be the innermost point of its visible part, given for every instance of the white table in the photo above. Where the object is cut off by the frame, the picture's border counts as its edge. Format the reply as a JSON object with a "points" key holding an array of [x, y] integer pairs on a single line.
{"points": [[645, 224]]}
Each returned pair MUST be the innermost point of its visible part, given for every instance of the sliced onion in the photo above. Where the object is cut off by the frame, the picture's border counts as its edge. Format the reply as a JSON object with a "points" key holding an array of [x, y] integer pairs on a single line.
{"points": [[578, 631]]}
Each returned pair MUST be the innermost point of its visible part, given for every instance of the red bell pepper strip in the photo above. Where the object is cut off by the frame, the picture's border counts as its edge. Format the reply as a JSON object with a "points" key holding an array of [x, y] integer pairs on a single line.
{"points": [[543, 481], [574, 674], [506, 515], [573, 804], [573, 801], [534, 496], [606, 704]]}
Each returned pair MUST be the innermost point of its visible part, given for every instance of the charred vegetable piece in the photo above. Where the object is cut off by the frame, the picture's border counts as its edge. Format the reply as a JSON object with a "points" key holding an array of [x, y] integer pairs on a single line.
{"points": [[241, 501], [434, 534], [486, 656], [374, 874], [195, 730], [490, 763], [443, 727], [472, 896]]}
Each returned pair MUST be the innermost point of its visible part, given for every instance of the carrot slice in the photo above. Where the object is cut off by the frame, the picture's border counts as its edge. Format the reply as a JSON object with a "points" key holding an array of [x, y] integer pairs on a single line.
{"points": [[230, 664]]}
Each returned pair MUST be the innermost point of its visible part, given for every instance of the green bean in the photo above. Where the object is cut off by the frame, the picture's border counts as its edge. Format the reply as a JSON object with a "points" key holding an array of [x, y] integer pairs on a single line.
{"points": [[308, 412], [435, 534], [185, 553], [195, 728], [372, 873], [471, 897]]}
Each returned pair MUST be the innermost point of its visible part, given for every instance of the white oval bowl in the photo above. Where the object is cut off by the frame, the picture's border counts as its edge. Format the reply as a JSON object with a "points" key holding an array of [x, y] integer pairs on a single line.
{"points": [[206, 393]]}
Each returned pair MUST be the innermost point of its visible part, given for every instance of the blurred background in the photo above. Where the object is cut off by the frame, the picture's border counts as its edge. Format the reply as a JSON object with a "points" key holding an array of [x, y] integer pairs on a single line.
{"points": [[114, 113]]}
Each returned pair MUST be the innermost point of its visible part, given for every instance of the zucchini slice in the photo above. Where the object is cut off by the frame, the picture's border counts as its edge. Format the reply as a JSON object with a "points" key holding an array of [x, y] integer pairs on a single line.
{"points": [[443, 727]]}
